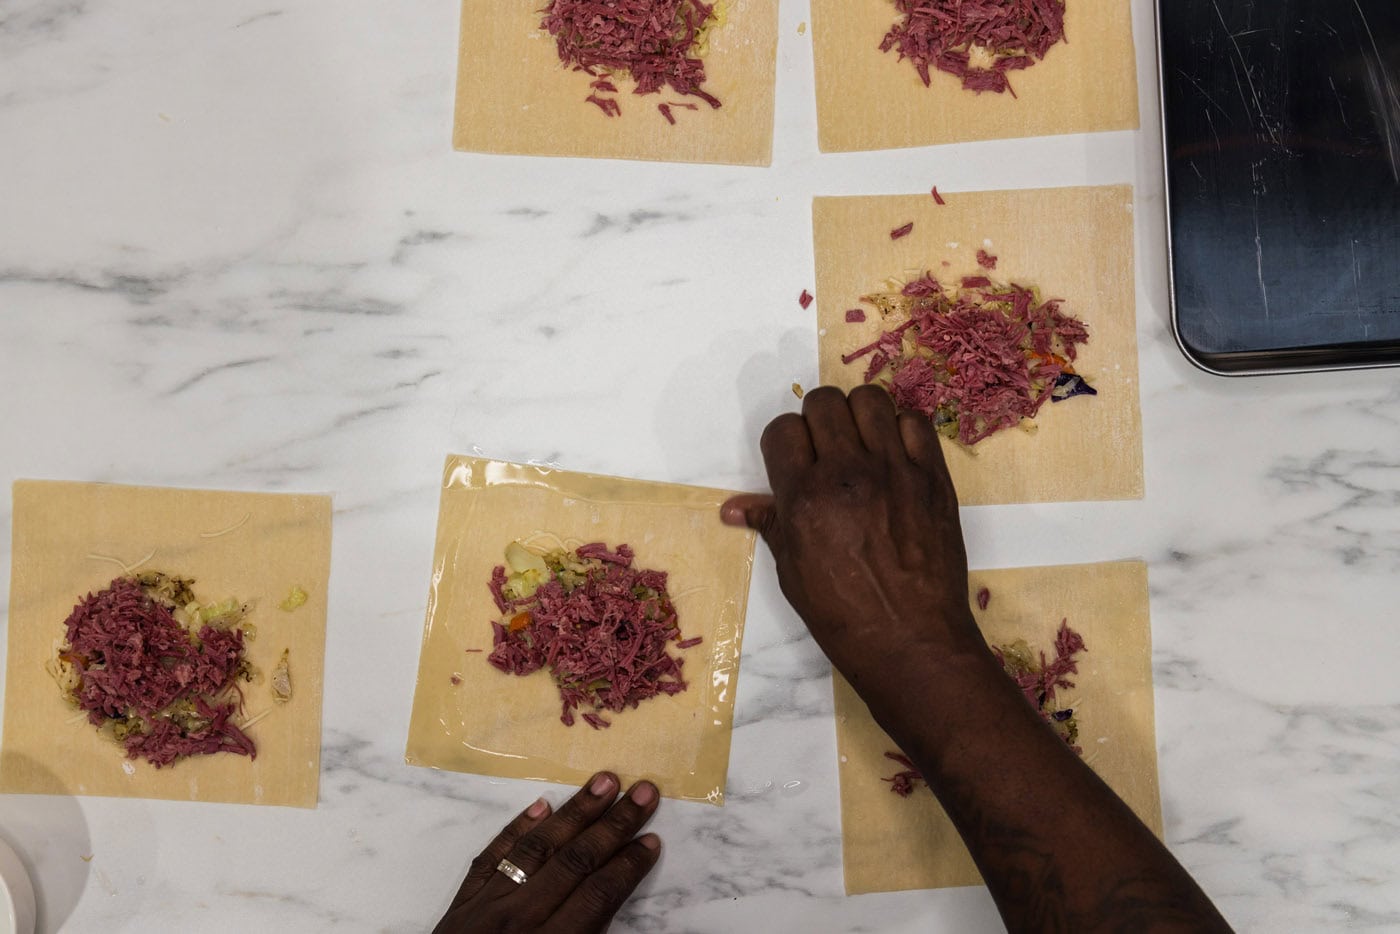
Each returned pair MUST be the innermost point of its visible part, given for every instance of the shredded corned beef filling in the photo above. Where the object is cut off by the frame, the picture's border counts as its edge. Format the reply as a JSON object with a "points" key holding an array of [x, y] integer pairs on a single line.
{"points": [[138, 666], [941, 34], [652, 40], [603, 634], [902, 782], [169, 741], [1038, 682], [976, 360]]}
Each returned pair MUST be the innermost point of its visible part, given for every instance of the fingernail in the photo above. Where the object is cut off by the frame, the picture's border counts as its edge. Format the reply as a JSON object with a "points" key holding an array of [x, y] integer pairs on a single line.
{"points": [[537, 810], [644, 793], [651, 841], [603, 784]]}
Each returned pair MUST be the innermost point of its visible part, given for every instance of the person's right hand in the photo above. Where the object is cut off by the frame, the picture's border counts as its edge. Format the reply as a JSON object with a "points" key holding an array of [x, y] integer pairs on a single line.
{"points": [[863, 523]]}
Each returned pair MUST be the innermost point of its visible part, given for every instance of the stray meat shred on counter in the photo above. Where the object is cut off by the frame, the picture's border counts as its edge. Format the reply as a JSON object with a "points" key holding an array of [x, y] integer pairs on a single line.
{"points": [[976, 359], [977, 41], [155, 670], [601, 626], [659, 43], [805, 299], [902, 231], [1038, 678]]}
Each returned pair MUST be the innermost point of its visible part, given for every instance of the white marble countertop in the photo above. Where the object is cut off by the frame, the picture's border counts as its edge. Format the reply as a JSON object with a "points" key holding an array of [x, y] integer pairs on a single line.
{"points": [[244, 221]]}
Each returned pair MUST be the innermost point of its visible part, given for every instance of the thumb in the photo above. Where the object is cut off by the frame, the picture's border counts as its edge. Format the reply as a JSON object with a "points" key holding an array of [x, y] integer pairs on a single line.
{"points": [[754, 510]]}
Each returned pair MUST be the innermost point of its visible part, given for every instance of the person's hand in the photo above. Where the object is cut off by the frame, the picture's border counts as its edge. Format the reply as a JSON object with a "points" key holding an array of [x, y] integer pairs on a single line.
{"points": [[863, 523], [581, 863]]}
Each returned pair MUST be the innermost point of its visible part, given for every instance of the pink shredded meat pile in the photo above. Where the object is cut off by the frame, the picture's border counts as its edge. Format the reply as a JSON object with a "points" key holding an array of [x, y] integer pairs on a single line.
{"points": [[1039, 688], [604, 640], [941, 34], [903, 782], [135, 660], [652, 40], [982, 357]]}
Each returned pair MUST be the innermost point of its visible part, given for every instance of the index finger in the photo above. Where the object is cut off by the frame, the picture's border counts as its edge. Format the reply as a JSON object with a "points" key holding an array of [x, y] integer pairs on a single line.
{"points": [[535, 848], [787, 448], [484, 866]]}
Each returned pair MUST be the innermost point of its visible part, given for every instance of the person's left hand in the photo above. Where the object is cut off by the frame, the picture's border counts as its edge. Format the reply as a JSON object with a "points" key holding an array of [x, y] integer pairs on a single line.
{"points": [[581, 864]]}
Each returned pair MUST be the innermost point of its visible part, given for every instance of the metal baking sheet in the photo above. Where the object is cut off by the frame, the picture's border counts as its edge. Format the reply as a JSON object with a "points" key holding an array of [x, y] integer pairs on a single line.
{"points": [[1282, 136]]}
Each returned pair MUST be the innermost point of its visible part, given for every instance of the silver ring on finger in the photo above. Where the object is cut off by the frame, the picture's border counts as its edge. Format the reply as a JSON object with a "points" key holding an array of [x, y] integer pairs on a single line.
{"points": [[512, 872]]}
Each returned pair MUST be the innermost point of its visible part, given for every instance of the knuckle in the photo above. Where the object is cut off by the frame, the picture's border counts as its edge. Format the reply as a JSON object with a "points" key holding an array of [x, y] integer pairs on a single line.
{"points": [[483, 865], [635, 864], [532, 848], [624, 819], [579, 858], [604, 894], [579, 811], [573, 818]]}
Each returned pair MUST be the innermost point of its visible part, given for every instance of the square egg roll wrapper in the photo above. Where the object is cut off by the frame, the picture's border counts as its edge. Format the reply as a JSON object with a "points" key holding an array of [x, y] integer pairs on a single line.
{"points": [[868, 99], [890, 843], [494, 723], [254, 547], [1074, 244], [514, 96]]}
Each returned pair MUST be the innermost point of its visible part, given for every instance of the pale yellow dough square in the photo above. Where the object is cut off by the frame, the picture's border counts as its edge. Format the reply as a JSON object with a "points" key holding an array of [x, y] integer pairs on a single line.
{"points": [[494, 723], [255, 547], [1075, 244], [514, 96], [889, 843], [868, 99]]}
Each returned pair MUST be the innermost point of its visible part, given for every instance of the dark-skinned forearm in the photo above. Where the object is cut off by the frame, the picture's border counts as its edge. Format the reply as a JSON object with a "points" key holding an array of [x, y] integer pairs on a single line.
{"points": [[1058, 849]]}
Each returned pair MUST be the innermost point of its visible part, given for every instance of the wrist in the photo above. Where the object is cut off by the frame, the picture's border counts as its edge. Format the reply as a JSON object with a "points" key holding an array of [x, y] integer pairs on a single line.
{"points": [[924, 697]]}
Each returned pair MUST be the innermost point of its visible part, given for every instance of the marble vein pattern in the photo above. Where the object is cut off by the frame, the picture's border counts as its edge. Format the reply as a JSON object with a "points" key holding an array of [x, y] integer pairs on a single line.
{"points": [[236, 250]]}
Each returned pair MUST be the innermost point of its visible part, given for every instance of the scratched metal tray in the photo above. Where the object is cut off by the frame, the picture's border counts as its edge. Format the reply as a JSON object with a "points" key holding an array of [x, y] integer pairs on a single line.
{"points": [[1281, 126]]}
